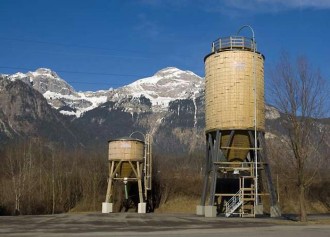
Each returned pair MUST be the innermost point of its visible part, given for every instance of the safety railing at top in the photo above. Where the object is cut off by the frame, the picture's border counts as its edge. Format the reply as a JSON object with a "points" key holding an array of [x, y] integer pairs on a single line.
{"points": [[234, 42]]}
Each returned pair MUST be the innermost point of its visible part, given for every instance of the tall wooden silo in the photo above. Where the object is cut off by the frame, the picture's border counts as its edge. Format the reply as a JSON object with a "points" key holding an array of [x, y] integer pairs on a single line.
{"points": [[236, 163]]}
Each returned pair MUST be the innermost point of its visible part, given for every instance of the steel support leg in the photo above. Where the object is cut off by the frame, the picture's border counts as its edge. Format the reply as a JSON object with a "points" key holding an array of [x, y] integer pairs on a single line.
{"points": [[109, 189], [275, 210], [207, 168], [215, 152]]}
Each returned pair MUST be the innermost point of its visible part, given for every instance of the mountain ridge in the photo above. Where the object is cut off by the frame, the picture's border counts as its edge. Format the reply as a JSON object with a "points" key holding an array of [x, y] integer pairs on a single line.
{"points": [[176, 125], [166, 85]]}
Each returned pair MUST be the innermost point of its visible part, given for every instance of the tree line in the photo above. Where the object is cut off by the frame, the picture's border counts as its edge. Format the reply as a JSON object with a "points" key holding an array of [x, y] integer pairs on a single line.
{"points": [[37, 177], [40, 178]]}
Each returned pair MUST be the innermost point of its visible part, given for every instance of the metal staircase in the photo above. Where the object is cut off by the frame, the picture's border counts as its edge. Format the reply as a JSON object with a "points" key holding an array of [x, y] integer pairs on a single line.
{"points": [[235, 202], [243, 201]]}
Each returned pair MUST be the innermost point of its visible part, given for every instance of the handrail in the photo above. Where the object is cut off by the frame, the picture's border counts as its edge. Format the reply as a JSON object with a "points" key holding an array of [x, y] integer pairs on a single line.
{"points": [[234, 42], [233, 201]]}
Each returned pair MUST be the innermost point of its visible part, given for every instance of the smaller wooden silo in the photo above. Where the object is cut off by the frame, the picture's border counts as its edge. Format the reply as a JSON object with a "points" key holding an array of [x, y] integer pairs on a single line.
{"points": [[126, 149], [126, 159]]}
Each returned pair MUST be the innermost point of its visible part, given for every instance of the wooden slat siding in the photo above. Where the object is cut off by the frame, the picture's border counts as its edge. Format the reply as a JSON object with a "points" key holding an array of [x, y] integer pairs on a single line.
{"points": [[229, 90], [126, 150]]}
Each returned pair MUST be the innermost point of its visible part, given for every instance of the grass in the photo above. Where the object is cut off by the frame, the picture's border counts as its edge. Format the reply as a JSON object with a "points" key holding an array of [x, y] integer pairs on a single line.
{"points": [[179, 204]]}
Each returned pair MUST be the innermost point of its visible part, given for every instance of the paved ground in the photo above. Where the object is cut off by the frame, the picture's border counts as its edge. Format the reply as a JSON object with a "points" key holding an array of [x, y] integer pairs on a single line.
{"points": [[133, 224]]}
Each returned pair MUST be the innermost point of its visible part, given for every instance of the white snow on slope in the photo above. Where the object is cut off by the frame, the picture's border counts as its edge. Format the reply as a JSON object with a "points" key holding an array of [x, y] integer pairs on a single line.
{"points": [[94, 101], [59, 93], [271, 112], [17, 76], [165, 86], [45, 72]]}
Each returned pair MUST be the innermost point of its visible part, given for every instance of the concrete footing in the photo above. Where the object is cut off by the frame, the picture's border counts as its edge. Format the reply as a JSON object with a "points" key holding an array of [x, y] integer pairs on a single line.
{"points": [[275, 211], [210, 211], [107, 207], [259, 209], [142, 207], [200, 210]]}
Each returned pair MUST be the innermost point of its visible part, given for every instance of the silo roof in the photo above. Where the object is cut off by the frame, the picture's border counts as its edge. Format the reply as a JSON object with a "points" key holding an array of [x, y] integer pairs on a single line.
{"points": [[233, 43], [126, 139]]}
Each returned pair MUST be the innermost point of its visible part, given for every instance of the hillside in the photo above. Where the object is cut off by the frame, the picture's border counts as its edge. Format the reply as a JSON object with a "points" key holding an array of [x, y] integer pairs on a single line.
{"points": [[169, 105], [25, 114]]}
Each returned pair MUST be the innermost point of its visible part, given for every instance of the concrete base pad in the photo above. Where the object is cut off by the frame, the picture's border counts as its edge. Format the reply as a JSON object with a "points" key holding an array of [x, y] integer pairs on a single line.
{"points": [[210, 211], [259, 209], [142, 207], [200, 210], [107, 207], [275, 211]]}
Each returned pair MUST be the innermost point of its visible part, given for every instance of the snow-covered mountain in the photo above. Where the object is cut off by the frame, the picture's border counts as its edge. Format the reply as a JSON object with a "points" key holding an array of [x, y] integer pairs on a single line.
{"points": [[166, 85], [44, 80], [59, 93]]}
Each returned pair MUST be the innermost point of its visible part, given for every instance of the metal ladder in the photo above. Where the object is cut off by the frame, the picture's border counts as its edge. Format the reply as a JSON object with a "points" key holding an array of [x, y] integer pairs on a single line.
{"points": [[248, 197], [148, 164]]}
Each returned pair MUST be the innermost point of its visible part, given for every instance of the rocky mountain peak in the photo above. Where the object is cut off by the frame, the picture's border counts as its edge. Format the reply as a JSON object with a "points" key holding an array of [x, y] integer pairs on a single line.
{"points": [[45, 72], [59, 94], [165, 86], [175, 73], [43, 80]]}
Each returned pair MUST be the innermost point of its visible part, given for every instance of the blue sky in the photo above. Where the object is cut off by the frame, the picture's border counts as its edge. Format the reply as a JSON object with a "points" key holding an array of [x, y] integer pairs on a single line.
{"points": [[98, 44]]}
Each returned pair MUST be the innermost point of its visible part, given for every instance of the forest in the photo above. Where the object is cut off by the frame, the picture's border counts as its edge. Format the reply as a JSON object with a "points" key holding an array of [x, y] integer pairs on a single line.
{"points": [[40, 178]]}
